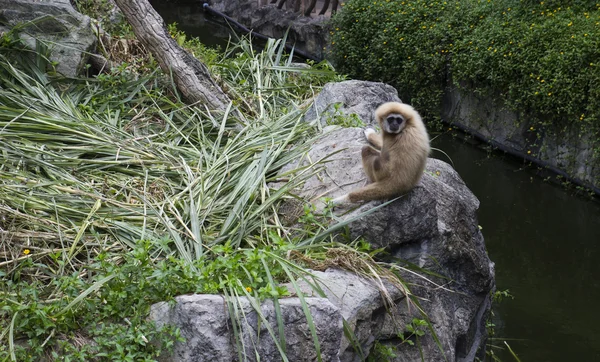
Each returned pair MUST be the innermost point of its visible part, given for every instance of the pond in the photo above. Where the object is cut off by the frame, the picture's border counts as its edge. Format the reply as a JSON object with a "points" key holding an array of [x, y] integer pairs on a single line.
{"points": [[544, 240]]}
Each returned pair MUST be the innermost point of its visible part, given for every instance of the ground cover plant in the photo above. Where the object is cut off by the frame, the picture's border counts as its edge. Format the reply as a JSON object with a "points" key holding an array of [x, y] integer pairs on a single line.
{"points": [[540, 58], [115, 195]]}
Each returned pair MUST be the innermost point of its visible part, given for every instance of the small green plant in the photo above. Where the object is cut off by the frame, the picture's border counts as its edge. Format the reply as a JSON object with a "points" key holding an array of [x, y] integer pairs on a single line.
{"points": [[104, 12], [499, 295], [104, 315], [336, 117], [381, 353], [414, 330]]}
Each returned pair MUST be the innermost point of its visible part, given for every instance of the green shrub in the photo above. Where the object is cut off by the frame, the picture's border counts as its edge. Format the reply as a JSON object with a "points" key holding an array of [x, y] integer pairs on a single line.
{"points": [[398, 42], [541, 57]]}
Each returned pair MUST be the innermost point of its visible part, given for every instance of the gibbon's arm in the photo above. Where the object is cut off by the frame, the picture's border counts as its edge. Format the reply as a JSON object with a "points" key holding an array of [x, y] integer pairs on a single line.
{"points": [[374, 138]]}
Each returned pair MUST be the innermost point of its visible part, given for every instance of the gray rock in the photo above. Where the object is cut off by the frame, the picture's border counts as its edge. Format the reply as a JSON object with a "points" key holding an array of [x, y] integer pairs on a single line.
{"points": [[434, 227], [361, 304], [353, 97], [67, 33], [205, 323], [307, 34]]}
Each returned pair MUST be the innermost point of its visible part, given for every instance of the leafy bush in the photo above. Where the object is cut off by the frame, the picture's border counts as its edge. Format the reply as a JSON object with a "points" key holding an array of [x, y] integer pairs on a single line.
{"points": [[398, 42], [541, 57]]}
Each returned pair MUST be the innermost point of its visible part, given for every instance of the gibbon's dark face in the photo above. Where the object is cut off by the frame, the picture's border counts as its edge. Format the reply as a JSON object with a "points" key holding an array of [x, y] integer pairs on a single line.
{"points": [[394, 123]]}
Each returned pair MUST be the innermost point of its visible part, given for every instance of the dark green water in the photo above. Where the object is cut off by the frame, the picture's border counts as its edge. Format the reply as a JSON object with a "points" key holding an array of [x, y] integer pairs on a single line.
{"points": [[544, 240], [190, 18]]}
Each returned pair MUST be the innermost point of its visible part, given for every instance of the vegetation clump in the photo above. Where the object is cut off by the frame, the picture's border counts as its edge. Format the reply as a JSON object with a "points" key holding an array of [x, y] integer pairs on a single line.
{"points": [[115, 195], [540, 58]]}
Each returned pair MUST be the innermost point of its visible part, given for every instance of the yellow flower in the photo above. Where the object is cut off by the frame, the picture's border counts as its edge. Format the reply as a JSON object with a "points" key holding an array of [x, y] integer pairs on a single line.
{"points": [[529, 152], [549, 93], [26, 251], [249, 290], [531, 128]]}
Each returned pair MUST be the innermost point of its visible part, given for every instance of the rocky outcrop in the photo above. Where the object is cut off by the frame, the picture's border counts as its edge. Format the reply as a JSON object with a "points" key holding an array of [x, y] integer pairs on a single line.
{"points": [[307, 34], [433, 228], [67, 33]]}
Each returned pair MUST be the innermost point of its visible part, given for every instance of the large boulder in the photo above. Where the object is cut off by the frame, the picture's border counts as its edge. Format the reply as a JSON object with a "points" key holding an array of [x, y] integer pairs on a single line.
{"points": [[434, 228], [206, 325], [67, 33]]}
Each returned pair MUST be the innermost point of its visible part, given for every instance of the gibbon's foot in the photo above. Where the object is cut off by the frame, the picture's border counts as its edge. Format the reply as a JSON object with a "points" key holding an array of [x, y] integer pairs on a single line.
{"points": [[338, 201], [369, 131]]}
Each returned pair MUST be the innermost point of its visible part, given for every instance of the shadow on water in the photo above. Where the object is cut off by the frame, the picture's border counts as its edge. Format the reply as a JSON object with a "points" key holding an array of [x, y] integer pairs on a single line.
{"points": [[544, 240], [546, 246]]}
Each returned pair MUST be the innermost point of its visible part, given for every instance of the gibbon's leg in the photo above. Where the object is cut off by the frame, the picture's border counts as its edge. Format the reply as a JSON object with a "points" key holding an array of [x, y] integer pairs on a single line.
{"points": [[324, 9], [374, 191], [280, 5], [371, 162], [310, 7], [372, 165], [374, 138]]}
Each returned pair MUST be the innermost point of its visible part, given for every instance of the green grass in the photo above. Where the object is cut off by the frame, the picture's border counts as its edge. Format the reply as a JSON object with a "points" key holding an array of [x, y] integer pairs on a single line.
{"points": [[114, 195]]}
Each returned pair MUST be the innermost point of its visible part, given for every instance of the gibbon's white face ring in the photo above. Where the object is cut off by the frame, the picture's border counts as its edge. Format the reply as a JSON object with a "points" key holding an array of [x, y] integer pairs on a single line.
{"points": [[394, 123]]}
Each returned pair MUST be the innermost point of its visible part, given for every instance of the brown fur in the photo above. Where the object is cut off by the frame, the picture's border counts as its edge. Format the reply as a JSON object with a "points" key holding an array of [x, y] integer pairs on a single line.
{"points": [[395, 163]]}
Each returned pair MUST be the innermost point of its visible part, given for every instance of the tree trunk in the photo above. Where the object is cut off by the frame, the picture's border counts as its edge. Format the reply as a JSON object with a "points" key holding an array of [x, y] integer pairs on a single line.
{"points": [[190, 75]]}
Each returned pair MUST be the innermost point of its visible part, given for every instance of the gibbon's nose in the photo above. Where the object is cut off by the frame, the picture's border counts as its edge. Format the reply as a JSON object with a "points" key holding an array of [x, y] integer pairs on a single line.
{"points": [[394, 126]]}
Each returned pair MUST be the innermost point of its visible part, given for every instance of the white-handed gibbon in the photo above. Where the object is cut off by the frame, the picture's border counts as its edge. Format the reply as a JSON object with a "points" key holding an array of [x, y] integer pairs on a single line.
{"points": [[395, 163]]}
